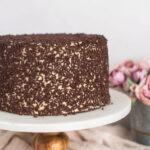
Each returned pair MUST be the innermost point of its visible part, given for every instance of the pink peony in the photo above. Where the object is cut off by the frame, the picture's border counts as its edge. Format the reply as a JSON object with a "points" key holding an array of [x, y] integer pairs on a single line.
{"points": [[117, 77], [138, 75], [129, 64], [144, 64], [143, 91], [128, 67]]}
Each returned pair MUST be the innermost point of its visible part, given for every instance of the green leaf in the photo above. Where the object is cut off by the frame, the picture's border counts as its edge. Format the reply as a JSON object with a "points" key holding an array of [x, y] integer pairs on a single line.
{"points": [[130, 82], [133, 101]]}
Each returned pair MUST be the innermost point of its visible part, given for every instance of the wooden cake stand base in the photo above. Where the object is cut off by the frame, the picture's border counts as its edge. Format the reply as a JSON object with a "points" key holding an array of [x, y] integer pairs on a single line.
{"points": [[51, 141], [50, 126]]}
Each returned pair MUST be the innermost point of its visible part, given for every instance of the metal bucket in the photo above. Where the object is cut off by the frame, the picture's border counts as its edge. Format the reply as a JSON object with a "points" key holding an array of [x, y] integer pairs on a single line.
{"points": [[140, 123]]}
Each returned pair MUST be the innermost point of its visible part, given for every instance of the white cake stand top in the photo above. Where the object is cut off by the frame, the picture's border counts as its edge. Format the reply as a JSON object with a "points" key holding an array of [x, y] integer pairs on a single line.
{"points": [[120, 108]]}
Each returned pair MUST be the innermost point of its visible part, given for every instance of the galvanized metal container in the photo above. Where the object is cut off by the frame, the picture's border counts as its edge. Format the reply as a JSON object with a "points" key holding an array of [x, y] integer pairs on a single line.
{"points": [[140, 123]]}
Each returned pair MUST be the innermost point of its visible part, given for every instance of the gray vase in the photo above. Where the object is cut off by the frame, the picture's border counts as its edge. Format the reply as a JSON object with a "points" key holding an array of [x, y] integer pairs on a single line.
{"points": [[140, 123]]}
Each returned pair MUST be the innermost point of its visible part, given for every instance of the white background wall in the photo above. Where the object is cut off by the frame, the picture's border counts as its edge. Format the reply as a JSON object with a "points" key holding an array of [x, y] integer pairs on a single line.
{"points": [[125, 23]]}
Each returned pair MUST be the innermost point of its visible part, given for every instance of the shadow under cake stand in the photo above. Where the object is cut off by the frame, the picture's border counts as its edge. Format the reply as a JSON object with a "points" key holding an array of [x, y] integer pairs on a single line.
{"points": [[51, 128]]}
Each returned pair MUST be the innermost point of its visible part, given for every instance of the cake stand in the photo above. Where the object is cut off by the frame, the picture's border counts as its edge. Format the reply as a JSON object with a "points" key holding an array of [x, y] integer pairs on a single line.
{"points": [[51, 128]]}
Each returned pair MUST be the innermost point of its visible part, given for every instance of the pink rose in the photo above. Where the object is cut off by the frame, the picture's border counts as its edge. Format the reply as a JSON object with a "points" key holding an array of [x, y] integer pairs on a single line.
{"points": [[128, 67], [116, 77], [143, 91], [144, 64], [138, 75]]}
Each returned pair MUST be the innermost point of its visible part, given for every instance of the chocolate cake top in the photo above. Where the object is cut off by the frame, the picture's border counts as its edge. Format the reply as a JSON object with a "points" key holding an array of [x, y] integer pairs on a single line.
{"points": [[52, 38]]}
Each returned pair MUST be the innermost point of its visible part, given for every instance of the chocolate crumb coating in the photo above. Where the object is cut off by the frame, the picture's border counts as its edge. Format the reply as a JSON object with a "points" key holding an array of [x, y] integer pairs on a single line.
{"points": [[53, 74]]}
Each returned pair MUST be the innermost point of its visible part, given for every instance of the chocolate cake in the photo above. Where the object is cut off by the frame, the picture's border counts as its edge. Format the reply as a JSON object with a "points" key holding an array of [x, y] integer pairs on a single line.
{"points": [[53, 74]]}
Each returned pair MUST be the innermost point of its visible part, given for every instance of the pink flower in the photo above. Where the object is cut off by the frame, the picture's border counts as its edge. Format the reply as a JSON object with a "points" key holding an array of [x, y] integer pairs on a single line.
{"points": [[143, 91], [138, 75], [144, 64], [129, 64], [117, 77], [128, 67]]}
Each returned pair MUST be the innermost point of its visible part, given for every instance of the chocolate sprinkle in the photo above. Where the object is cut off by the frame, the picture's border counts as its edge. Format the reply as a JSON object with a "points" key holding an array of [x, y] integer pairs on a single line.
{"points": [[53, 74]]}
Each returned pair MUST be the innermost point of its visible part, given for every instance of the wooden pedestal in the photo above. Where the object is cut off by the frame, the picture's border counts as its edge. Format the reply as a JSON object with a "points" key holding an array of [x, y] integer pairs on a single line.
{"points": [[51, 141]]}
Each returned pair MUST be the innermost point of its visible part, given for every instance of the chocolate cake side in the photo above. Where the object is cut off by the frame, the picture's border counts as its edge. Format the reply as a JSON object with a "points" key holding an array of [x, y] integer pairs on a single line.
{"points": [[53, 74]]}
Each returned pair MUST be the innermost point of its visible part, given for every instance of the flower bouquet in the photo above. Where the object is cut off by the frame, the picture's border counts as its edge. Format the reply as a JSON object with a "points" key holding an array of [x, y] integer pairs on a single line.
{"points": [[133, 78]]}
